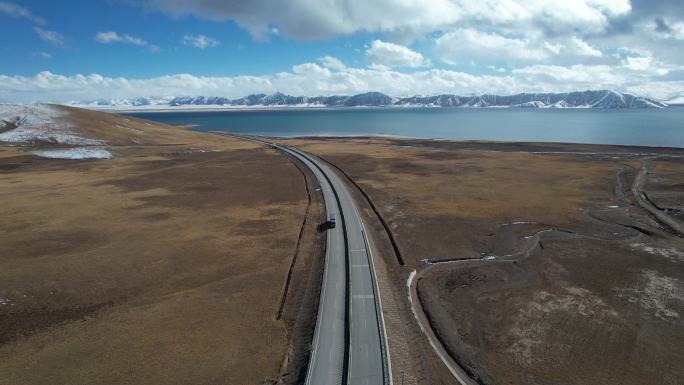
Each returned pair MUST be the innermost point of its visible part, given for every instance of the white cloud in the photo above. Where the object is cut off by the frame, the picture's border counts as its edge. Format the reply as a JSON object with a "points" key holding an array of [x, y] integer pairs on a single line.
{"points": [[200, 41], [52, 37], [44, 55], [647, 65], [664, 28], [114, 37], [580, 47], [638, 63], [578, 76], [677, 30], [332, 77], [332, 63], [638, 75], [469, 45], [501, 33], [381, 53], [18, 11], [306, 19], [310, 19], [308, 69], [464, 45]]}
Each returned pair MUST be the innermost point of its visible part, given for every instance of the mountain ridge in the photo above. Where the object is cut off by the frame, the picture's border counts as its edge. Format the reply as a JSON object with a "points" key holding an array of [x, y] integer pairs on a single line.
{"points": [[603, 99]]}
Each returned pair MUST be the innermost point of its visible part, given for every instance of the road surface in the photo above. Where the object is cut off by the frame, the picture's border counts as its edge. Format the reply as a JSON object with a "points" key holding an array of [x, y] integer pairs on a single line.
{"points": [[365, 361], [349, 345]]}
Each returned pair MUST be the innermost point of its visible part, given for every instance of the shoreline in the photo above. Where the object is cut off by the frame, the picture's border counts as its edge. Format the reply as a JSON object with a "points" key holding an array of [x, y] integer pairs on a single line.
{"points": [[635, 148], [221, 108]]}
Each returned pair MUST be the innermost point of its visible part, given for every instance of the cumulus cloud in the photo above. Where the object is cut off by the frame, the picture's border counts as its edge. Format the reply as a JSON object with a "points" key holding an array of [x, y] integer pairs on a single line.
{"points": [[18, 11], [312, 19], [114, 37], [662, 28], [580, 47], [489, 32], [52, 37], [332, 63], [381, 53], [500, 33], [199, 41], [330, 76], [469, 45]]}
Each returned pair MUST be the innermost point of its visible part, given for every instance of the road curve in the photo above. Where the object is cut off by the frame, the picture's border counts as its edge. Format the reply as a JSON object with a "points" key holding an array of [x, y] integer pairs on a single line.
{"points": [[643, 201], [349, 345], [417, 308], [328, 362]]}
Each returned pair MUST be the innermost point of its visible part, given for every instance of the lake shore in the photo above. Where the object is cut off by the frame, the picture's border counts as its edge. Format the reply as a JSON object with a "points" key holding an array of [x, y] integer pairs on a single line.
{"points": [[656, 128]]}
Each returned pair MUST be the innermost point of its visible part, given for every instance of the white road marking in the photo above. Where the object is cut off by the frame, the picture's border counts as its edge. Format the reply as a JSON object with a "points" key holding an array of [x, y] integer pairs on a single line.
{"points": [[363, 296], [359, 257]]}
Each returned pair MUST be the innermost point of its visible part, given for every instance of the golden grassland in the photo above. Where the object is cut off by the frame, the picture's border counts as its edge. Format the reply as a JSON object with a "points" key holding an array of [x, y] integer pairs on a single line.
{"points": [[162, 266]]}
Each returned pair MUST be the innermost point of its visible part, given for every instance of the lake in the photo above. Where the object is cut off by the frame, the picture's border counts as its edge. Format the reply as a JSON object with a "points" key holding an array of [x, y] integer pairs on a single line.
{"points": [[649, 127]]}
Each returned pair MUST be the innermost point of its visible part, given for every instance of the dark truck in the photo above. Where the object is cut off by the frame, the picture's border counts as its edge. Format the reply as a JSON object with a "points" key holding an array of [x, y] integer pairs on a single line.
{"points": [[329, 224]]}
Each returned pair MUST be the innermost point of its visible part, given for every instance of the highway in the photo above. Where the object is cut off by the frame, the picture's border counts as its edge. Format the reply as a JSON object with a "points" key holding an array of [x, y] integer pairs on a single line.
{"points": [[349, 345]]}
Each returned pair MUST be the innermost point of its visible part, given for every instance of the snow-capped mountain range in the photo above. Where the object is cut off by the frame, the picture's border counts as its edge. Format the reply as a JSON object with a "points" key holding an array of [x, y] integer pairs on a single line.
{"points": [[582, 99]]}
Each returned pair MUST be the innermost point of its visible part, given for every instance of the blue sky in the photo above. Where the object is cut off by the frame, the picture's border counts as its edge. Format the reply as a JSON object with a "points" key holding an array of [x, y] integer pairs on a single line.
{"points": [[78, 22], [74, 50]]}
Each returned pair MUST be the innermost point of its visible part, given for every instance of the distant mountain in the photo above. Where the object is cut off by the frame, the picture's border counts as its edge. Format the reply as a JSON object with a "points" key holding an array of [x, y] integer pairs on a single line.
{"points": [[375, 99], [583, 99]]}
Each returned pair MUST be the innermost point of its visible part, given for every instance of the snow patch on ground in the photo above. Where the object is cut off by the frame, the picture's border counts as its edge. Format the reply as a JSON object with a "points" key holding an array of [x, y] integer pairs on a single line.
{"points": [[519, 223], [38, 123], [659, 293], [75, 153], [531, 324], [671, 254]]}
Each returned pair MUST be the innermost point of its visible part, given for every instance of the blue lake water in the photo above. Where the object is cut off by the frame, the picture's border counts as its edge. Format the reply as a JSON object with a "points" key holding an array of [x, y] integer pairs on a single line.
{"points": [[652, 127]]}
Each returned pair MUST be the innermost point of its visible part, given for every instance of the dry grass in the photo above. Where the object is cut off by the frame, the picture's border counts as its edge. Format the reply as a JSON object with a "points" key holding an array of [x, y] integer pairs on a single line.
{"points": [[162, 266], [604, 305], [457, 198]]}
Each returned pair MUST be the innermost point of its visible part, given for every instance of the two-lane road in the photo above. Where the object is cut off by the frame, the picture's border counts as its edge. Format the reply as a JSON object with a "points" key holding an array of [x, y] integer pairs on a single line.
{"points": [[349, 345]]}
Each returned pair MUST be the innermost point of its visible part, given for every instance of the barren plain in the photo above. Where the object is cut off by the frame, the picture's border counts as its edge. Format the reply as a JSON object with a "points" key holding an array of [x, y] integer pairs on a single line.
{"points": [[166, 264], [193, 258], [535, 264]]}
